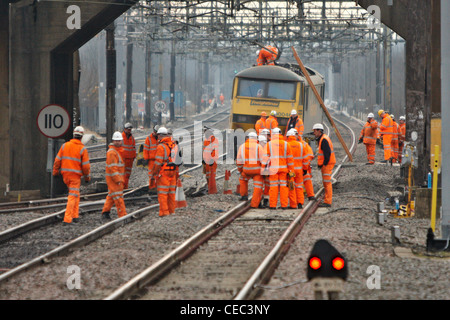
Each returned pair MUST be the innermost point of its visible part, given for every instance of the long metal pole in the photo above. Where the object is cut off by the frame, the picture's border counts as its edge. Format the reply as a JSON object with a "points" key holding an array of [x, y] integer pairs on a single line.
{"points": [[110, 84], [319, 98]]}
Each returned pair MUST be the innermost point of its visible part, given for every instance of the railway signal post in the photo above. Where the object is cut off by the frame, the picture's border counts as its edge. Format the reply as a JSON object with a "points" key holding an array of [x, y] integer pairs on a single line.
{"points": [[327, 270]]}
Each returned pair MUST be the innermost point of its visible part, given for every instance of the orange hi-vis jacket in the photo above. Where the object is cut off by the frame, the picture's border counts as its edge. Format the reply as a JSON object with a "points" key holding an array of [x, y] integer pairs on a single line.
{"points": [[369, 132], [271, 123], [128, 146], [163, 158], [308, 154], [267, 57], [260, 125], [278, 155], [299, 154], [211, 150], [115, 167], [72, 160], [387, 126], [320, 153], [150, 144], [298, 125], [249, 157], [402, 136], [396, 132]]}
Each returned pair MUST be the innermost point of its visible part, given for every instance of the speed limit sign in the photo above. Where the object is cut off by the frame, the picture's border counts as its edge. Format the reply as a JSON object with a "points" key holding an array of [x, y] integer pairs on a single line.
{"points": [[160, 106], [53, 121]]}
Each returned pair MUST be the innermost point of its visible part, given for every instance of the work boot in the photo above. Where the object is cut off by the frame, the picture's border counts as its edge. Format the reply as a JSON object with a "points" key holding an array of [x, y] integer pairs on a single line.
{"points": [[384, 161], [284, 208], [273, 208], [66, 224], [244, 198], [324, 205], [312, 198], [266, 203], [76, 220], [299, 206], [105, 215]]}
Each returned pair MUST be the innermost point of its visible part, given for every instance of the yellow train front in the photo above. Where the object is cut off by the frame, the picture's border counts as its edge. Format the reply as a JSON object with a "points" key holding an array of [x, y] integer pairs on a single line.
{"points": [[279, 88]]}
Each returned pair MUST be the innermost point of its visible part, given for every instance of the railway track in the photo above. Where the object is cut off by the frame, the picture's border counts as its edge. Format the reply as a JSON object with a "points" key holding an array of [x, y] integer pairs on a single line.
{"points": [[280, 223]]}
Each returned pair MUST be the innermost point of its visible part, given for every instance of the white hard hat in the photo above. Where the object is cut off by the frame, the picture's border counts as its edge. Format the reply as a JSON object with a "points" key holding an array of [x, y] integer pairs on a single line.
{"points": [[162, 130], [78, 131], [370, 115], [257, 52], [265, 131], [117, 136], [291, 132], [276, 131], [318, 126], [293, 112], [402, 118], [273, 113], [128, 125], [252, 135], [262, 138]]}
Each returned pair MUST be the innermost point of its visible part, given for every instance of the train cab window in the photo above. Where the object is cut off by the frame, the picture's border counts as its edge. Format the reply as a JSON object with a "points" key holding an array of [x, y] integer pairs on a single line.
{"points": [[266, 89], [281, 90]]}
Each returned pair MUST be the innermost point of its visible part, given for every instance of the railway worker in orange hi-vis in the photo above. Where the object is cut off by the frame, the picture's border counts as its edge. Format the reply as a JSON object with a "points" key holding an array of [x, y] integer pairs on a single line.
{"points": [[115, 177], [72, 162], [386, 132], [294, 122], [267, 56], [278, 158], [210, 157], [248, 162], [401, 137], [262, 140], [222, 99], [368, 136], [150, 144], [165, 173], [272, 122], [129, 151], [325, 161], [395, 139], [300, 164], [261, 123]]}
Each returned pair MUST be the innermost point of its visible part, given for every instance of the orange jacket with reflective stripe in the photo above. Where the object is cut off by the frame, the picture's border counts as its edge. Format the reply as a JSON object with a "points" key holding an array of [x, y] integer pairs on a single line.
{"points": [[396, 131], [72, 159], [387, 126], [211, 150], [402, 128], [249, 157], [298, 125], [128, 146], [320, 154], [164, 156], [278, 154], [370, 132], [267, 57], [115, 167], [271, 123], [298, 153], [309, 154], [150, 144], [260, 125]]}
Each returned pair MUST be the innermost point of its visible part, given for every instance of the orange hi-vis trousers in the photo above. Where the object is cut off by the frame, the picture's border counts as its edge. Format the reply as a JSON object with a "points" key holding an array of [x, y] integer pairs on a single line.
{"points": [[278, 183], [73, 182], [115, 197], [387, 146], [327, 185], [370, 149], [307, 183], [297, 193], [151, 182], [166, 185], [258, 183], [128, 167], [210, 171]]}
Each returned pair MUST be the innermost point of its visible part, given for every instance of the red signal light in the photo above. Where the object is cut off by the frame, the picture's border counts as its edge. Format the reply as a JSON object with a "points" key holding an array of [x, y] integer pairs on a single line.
{"points": [[315, 263], [338, 263]]}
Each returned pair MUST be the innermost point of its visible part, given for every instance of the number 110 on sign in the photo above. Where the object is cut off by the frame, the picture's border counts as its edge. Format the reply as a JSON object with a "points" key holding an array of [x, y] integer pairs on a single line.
{"points": [[53, 121]]}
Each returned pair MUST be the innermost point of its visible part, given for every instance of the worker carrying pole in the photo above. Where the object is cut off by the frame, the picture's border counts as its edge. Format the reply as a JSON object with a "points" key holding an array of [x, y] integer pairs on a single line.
{"points": [[319, 98]]}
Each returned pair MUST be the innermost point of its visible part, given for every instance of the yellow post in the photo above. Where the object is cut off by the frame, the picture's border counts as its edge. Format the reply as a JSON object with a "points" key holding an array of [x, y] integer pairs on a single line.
{"points": [[435, 184]]}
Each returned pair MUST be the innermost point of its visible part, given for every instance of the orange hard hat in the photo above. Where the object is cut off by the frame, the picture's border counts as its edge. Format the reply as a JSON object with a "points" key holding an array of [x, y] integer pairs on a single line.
{"points": [[263, 114]]}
